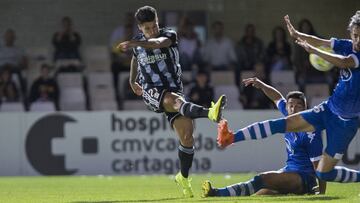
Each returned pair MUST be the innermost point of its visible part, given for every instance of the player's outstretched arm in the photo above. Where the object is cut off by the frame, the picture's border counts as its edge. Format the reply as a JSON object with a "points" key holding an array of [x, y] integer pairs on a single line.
{"points": [[311, 39], [132, 79], [336, 59], [154, 43], [268, 90]]}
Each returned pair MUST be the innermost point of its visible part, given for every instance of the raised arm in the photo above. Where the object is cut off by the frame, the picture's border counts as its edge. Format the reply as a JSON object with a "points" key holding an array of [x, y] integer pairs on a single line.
{"points": [[268, 90], [336, 59], [311, 39], [154, 43]]}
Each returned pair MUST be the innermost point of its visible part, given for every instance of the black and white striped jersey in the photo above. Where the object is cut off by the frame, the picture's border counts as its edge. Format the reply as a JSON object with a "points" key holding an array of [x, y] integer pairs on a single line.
{"points": [[159, 67]]}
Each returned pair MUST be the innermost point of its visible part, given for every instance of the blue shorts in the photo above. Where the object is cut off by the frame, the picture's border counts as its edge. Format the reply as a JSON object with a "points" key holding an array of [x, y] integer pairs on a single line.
{"points": [[339, 131]]}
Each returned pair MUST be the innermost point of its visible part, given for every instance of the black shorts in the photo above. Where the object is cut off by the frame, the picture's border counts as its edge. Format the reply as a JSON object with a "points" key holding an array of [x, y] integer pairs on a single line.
{"points": [[153, 97]]}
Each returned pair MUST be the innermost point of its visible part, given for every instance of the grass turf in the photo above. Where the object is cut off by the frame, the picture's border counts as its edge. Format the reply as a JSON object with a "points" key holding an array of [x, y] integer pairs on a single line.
{"points": [[112, 189]]}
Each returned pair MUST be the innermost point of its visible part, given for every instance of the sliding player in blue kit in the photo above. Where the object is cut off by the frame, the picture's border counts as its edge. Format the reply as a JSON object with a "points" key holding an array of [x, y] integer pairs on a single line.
{"points": [[338, 115], [303, 151]]}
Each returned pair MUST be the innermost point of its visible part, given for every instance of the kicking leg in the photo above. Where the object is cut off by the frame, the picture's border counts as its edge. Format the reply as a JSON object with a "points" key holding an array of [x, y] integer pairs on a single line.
{"points": [[173, 102], [261, 130]]}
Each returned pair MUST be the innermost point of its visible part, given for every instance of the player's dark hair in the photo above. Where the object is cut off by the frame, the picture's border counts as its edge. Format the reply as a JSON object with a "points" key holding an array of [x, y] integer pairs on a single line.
{"points": [[297, 95], [145, 14], [354, 20]]}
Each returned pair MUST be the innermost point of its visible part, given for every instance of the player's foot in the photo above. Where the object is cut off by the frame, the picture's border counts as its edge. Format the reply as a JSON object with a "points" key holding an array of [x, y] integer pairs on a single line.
{"points": [[207, 190], [215, 111], [185, 185], [225, 136]]}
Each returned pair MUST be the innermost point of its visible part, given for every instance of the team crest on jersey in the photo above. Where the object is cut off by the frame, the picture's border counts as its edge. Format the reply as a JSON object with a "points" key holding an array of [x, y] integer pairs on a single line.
{"points": [[345, 74]]}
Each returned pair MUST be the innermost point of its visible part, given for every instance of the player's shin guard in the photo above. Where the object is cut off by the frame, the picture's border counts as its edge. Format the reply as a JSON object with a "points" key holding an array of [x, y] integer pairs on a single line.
{"points": [[261, 130], [241, 189], [192, 110], [340, 174], [186, 156]]}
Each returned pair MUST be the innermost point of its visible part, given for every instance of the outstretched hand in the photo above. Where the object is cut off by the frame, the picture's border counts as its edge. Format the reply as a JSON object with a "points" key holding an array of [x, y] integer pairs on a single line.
{"points": [[124, 46], [292, 31], [255, 82]]}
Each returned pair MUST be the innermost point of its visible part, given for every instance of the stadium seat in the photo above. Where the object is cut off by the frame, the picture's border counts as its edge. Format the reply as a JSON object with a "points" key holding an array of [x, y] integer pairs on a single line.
{"points": [[317, 90], [66, 80], [222, 78], [99, 78], [72, 98], [97, 58], [247, 74], [12, 107], [42, 106], [284, 77], [101, 91], [232, 94], [284, 89]]}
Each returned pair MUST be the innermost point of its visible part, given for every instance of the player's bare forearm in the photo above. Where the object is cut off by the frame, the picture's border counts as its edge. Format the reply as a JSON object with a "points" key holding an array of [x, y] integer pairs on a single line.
{"points": [[271, 92], [155, 43], [338, 60], [268, 90], [313, 40], [133, 70]]}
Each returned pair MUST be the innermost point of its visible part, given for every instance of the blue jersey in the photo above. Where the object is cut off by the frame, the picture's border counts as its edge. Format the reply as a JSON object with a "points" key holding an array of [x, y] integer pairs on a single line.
{"points": [[302, 148], [345, 100]]}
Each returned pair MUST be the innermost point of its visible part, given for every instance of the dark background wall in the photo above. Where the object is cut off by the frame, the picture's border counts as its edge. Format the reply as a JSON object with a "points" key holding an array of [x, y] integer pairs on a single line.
{"points": [[36, 20]]}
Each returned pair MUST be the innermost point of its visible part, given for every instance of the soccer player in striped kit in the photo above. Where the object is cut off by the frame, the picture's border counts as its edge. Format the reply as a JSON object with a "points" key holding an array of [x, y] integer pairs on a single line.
{"points": [[338, 115], [155, 75], [304, 150]]}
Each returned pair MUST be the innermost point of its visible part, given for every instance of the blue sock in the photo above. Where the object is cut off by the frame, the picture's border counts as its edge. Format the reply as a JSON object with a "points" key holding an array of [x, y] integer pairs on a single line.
{"points": [[261, 130], [340, 174], [241, 189]]}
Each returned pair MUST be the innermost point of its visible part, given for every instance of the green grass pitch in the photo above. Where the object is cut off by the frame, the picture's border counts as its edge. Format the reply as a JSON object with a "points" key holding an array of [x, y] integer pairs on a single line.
{"points": [[109, 189]]}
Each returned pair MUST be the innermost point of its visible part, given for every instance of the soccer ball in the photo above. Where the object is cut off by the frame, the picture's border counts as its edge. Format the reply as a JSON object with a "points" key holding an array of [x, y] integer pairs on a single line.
{"points": [[319, 63]]}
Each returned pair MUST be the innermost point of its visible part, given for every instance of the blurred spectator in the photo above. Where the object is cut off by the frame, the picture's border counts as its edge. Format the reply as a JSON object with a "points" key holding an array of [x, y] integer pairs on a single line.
{"points": [[13, 57], [119, 32], [218, 52], [45, 88], [252, 99], [189, 45], [8, 90], [202, 93], [278, 52], [120, 61], [304, 71], [67, 43], [249, 51]]}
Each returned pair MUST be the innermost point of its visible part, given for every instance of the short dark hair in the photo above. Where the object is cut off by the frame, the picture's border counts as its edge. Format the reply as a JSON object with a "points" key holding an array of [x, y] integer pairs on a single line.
{"points": [[297, 95], [145, 14], [354, 20]]}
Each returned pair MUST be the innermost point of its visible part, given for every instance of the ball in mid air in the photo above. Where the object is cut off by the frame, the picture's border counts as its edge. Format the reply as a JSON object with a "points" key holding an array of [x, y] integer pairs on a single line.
{"points": [[319, 63]]}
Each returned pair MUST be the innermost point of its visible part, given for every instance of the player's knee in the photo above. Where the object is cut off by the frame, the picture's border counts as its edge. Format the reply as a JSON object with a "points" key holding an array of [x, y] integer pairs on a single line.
{"points": [[327, 176], [186, 138]]}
